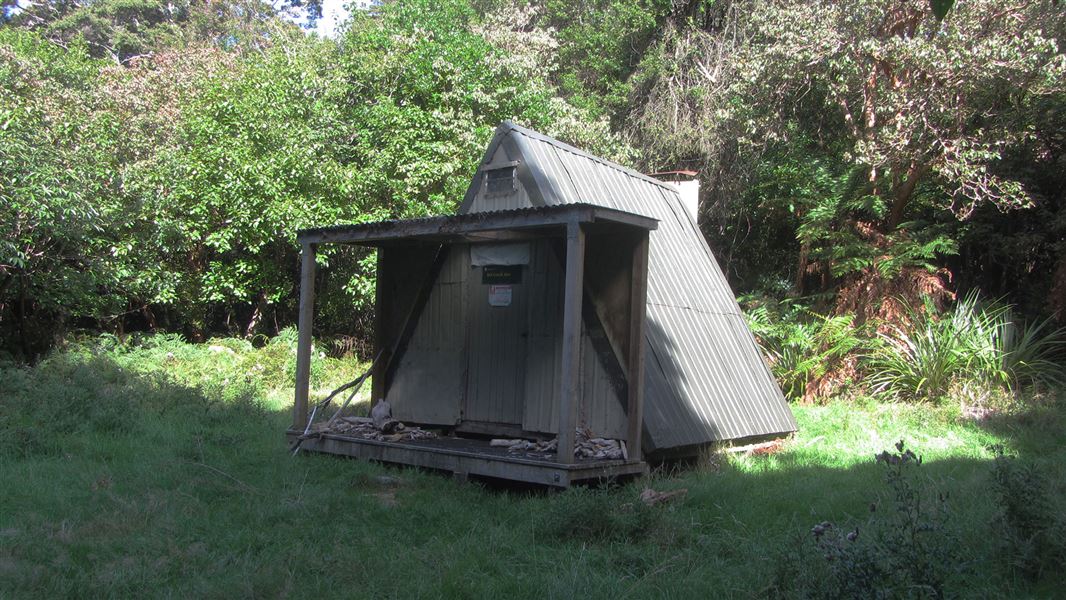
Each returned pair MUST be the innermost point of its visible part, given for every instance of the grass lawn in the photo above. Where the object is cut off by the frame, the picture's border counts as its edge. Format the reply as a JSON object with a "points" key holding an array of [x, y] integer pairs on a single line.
{"points": [[160, 469]]}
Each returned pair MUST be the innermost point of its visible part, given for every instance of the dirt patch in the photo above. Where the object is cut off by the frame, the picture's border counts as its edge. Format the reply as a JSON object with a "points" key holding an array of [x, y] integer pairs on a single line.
{"points": [[387, 498]]}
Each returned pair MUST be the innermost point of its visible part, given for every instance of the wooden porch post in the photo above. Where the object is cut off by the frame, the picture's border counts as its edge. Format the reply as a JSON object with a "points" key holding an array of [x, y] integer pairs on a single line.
{"points": [[303, 344], [382, 316], [570, 386], [638, 297]]}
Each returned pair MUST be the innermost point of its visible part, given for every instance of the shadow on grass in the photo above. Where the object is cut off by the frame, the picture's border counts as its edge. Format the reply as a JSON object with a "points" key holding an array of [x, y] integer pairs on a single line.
{"points": [[1034, 430]]}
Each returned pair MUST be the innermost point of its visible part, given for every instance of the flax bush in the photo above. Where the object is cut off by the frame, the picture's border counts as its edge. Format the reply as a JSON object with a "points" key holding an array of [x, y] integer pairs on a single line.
{"points": [[979, 342]]}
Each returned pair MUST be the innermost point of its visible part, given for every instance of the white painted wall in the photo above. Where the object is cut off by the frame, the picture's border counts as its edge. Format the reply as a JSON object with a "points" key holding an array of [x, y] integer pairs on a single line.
{"points": [[690, 196]]}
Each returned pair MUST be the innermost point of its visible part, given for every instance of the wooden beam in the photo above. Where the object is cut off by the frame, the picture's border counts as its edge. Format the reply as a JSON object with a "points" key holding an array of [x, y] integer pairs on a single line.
{"points": [[511, 236], [303, 344], [638, 300], [570, 384], [457, 226], [612, 215], [455, 455]]}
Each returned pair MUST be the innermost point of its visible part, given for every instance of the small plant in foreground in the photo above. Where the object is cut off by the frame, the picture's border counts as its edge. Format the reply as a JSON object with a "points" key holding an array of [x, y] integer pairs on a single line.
{"points": [[904, 549]]}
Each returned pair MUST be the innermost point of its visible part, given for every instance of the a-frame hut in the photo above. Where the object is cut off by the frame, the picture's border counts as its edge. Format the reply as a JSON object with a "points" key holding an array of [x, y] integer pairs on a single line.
{"points": [[570, 296], [706, 379]]}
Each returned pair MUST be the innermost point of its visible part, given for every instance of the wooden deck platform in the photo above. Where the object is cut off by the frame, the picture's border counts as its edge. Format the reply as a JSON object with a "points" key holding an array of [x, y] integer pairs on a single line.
{"points": [[468, 456]]}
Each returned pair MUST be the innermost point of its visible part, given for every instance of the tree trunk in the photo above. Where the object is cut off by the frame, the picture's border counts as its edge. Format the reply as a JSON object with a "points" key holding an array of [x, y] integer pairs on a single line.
{"points": [[257, 315], [801, 269], [902, 196], [23, 338], [149, 317]]}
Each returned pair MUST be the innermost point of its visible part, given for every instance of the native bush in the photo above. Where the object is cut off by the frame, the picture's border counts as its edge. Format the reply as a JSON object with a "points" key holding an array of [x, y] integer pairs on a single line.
{"points": [[980, 342], [918, 364], [802, 346], [1030, 353]]}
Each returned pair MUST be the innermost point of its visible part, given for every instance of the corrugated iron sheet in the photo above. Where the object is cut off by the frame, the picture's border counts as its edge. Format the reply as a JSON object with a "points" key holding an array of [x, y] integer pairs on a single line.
{"points": [[706, 379]]}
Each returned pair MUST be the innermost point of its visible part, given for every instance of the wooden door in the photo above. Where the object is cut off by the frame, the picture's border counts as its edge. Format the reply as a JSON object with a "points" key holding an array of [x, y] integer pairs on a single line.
{"points": [[498, 329]]}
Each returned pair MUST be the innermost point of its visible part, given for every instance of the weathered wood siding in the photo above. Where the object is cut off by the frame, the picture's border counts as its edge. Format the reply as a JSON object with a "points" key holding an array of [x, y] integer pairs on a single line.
{"points": [[428, 384], [471, 361], [496, 353]]}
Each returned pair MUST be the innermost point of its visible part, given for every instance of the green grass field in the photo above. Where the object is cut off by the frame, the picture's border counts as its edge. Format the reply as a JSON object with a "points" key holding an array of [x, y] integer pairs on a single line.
{"points": [[159, 469]]}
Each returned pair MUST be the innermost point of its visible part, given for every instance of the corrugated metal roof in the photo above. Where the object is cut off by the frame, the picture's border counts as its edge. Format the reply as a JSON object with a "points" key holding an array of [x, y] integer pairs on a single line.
{"points": [[706, 378]]}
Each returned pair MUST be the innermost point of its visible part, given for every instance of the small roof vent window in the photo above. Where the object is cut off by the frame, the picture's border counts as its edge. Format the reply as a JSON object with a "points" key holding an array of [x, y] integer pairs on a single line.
{"points": [[500, 182]]}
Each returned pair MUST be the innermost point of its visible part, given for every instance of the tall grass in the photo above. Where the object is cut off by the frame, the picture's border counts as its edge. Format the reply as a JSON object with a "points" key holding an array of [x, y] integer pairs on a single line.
{"points": [[146, 476]]}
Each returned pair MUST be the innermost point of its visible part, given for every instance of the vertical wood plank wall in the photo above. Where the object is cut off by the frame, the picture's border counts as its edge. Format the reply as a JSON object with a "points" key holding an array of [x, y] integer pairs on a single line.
{"points": [[427, 385], [602, 388], [495, 390]]}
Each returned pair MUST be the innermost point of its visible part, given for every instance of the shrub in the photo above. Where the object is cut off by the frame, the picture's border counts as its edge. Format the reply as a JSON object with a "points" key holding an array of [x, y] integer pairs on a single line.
{"points": [[919, 364], [1030, 353], [903, 550], [978, 341], [802, 346]]}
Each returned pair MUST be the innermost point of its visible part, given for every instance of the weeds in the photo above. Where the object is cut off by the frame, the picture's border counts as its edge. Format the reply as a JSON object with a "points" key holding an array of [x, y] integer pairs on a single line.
{"points": [[596, 514]]}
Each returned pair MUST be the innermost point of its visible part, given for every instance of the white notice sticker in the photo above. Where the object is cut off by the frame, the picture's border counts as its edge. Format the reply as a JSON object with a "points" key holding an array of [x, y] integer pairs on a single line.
{"points": [[500, 295]]}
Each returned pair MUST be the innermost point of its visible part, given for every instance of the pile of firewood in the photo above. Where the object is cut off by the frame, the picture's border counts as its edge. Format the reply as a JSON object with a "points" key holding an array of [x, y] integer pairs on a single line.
{"points": [[586, 445], [364, 427]]}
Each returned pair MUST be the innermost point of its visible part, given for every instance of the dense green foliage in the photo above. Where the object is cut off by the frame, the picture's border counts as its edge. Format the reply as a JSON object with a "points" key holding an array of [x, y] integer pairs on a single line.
{"points": [[158, 464], [167, 192], [977, 352], [863, 162], [852, 147]]}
